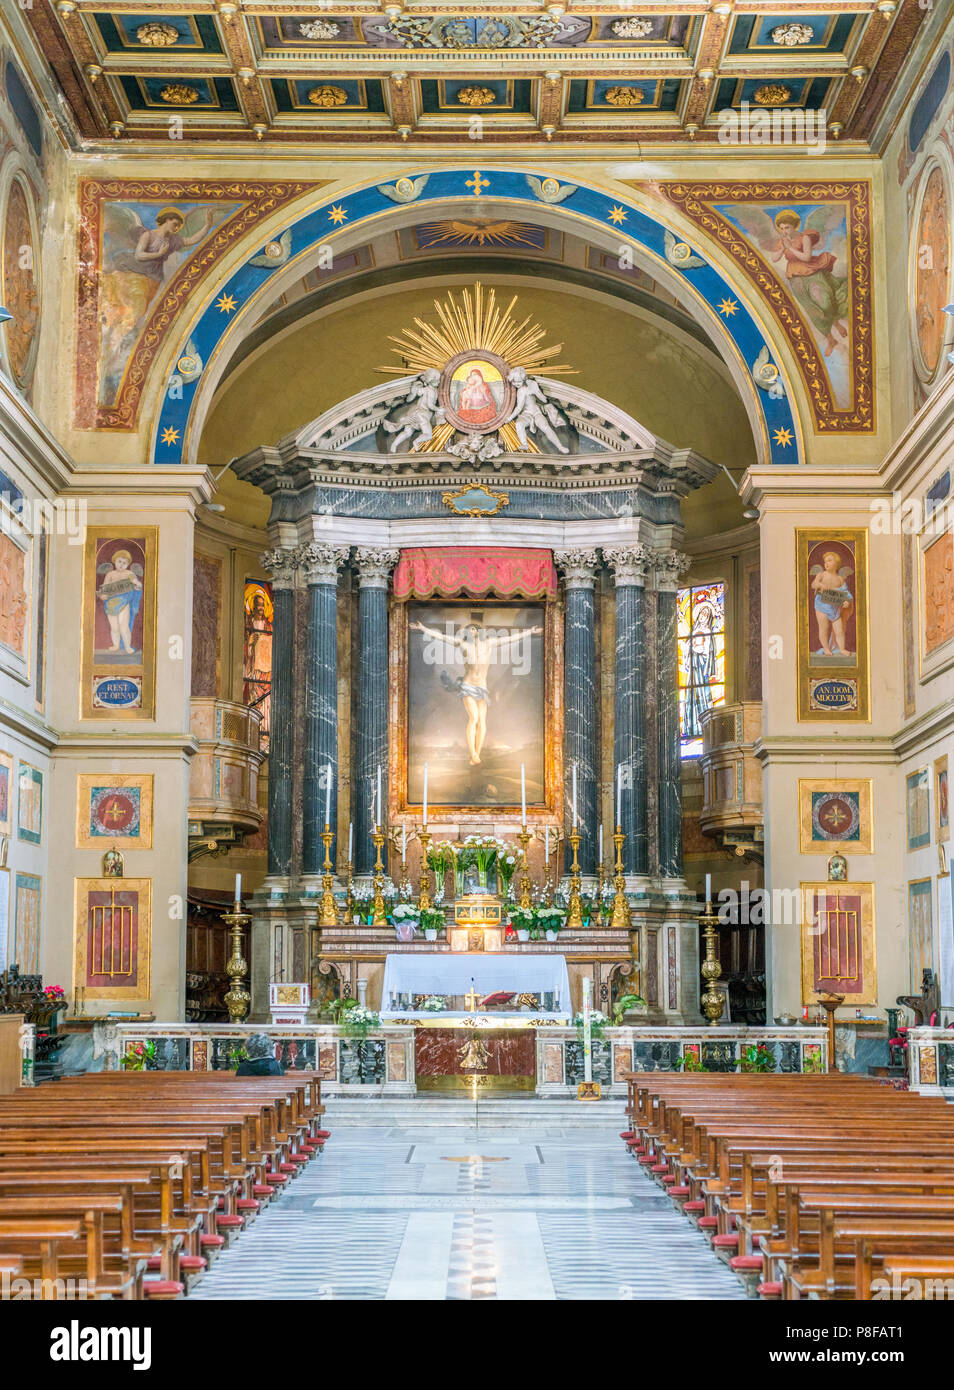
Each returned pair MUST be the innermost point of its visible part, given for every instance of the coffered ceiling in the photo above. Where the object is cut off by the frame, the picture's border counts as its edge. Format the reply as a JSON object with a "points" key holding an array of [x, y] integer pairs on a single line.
{"points": [[330, 74]]}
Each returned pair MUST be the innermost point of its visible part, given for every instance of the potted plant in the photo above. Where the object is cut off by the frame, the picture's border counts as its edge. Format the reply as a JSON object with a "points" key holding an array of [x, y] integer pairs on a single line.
{"points": [[406, 917], [690, 1061], [523, 921], [756, 1057], [432, 922], [434, 1004], [506, 868], [139, 1056], [623, 1005], [338, 1007], [236, 1055], [552, 920]]}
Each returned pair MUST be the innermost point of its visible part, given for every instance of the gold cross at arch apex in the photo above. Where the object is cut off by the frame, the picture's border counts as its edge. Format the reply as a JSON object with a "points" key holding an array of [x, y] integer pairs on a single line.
{"points": [[477, 183]]}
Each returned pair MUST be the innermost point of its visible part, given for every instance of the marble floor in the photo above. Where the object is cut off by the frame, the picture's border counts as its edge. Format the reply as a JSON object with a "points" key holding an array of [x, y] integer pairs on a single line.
{"points": [[471, 1211]]}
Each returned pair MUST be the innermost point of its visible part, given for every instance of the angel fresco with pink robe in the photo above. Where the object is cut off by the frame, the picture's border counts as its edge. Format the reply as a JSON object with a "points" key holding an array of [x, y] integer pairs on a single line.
{"points": [[143, 247], [806, 245]]}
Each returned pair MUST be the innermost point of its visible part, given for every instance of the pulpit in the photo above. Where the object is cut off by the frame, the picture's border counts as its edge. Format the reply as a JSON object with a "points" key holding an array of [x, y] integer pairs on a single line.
{"points": [[289, 1003]]}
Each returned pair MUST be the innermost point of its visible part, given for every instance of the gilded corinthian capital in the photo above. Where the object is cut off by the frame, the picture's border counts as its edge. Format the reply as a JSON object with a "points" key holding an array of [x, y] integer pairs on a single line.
{"points": [[321, 562], [578, 567], [670, 567], [282, 565], [629, 563], [374, 566]]}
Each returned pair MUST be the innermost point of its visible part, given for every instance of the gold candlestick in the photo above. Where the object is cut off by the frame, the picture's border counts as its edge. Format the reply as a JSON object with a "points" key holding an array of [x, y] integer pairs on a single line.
{"points": [[238, 999], [712, 1000], [831, 1002], [349, 900], [424, 895], [526, 883], [574, 920], [328, 912], [621, 913], [379, 915]]}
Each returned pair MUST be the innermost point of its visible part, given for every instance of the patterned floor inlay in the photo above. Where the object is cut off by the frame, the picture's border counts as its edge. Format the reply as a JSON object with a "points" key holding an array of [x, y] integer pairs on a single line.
{"points": [[467, 1214]]}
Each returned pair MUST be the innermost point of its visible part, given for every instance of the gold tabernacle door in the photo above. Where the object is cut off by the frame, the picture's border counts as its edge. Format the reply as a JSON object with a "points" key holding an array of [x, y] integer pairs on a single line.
{"points": [[478, 923]]}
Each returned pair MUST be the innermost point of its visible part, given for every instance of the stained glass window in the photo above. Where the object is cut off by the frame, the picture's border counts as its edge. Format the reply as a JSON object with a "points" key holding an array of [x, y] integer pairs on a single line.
{"points": [[257, 668], [700, 631]]}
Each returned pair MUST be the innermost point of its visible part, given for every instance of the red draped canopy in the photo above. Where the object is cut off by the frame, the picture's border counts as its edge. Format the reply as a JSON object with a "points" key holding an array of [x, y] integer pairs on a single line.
{"points": [[424, 571]]}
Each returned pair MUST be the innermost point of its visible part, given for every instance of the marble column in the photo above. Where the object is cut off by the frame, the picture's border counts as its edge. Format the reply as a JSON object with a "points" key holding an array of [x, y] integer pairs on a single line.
{"points": [[320, 564], [669, 568], [282, 564], [629, 564], [580, 709], [371, 698]]}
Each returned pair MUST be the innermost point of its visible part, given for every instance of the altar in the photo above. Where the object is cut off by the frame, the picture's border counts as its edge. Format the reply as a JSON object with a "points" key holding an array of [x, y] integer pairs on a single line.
{"points": [[487, 988]]}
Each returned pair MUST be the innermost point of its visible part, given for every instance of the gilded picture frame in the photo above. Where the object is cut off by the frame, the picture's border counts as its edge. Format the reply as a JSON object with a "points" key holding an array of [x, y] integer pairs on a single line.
{"points": [[8, 792], [833, 684], [128, 952], [840, 958], [917, 808], [132, 810], [920, 934], [17, 583], [936, 595], [942, 802], [833, 803], [117, 683]]}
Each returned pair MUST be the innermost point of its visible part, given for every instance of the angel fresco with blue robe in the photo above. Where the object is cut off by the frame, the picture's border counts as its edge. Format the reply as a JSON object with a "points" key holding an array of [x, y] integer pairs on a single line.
{"points": [[120, 591], [812, 244], [138, 259]]}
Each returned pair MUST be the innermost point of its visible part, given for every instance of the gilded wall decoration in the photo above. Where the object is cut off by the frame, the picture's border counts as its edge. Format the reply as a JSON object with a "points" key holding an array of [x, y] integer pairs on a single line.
{"points": [[835, 814], [21, 280], [917, 798], [206, 622], [942, 803], [15, 588], [931, 273], [29, 804], [920, 930], [832, 624], [838, 942], [119, 623], [909, 632], [6, 792], [26, 933], [144, 248], [113, 953], [114, 809], [807, 249], [937, 594]]}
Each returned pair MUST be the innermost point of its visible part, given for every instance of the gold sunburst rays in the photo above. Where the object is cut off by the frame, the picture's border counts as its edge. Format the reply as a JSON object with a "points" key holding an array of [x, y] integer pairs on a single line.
{"points": [[475, 324]]}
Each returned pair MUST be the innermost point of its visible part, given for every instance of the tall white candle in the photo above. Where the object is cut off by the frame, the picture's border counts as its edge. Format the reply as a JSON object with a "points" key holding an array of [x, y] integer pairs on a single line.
{"points": [[238, 888], [350, 841], [403, 844], [619, 795], [523, 792], [601, 842], [574, 796], [379, 820], [708, 888], [425, 793], [328, 797], [546, 844]]}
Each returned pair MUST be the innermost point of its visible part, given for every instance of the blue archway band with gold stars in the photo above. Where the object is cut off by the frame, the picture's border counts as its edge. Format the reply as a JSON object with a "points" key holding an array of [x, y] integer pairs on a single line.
{"points": [[781, 433]]}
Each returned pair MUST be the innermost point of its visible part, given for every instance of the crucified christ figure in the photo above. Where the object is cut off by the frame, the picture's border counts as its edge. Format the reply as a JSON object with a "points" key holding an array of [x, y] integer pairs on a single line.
{"points": [[478, 649]]}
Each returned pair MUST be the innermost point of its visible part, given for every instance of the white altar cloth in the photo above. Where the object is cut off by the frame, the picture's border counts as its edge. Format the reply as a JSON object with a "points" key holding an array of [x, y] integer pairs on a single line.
{"points": [[453, 974]]}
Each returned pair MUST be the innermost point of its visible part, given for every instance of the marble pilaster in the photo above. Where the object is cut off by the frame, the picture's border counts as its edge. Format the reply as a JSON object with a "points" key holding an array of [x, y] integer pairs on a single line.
{"points": [[374, 567], [320, 564], [282, 565], [669, 567], [579, 698], [630, 564]]}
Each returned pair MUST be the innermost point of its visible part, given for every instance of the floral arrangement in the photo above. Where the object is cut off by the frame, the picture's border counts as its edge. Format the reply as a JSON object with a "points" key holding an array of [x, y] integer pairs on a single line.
{"points": [[236, 1055], [756, 1057], [552, 918], [362, 896], [598, 1024], [432, 919], [434, 1004], [689, 1061], [139, 1056], [407, 912], [523, 918], [358, 1022], [506, 868], [52, 992], [337, 1007]]}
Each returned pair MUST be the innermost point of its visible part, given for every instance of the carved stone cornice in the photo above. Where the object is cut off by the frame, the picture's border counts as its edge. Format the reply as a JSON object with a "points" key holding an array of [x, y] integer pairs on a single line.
{"points": [[282, 565], [374, 566], [578, 566], [629, 563], [670, 567], [321, 562]]}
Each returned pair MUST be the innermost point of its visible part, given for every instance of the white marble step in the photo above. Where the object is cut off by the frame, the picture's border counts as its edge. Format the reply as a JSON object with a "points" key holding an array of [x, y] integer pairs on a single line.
{"points": [[414, 1111]]}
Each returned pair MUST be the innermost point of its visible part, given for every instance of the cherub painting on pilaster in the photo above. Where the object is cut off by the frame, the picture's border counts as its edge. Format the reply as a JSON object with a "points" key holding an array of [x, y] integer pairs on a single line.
{"points": [[806, 246]]}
